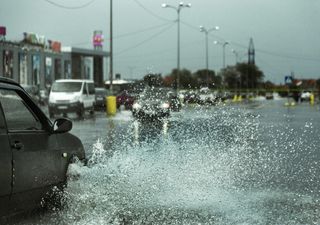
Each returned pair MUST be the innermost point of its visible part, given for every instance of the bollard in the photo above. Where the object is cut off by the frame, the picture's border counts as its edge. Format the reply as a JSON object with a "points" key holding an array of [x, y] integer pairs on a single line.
{"points": [[235, 97], [111, 105], [312, 99]]}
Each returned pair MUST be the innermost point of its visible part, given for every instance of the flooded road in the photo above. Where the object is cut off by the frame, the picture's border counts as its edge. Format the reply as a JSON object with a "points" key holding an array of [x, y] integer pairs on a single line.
{"points": [[254, 163]]}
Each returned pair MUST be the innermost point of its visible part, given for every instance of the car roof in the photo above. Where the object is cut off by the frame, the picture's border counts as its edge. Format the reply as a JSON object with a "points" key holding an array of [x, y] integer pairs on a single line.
{"points": [[74, 80], [8, 81]]}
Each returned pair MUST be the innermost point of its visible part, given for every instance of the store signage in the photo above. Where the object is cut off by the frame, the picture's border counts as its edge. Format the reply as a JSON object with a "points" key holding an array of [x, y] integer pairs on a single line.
{"points": [[35, 39], [97, 38], [3, 31]]}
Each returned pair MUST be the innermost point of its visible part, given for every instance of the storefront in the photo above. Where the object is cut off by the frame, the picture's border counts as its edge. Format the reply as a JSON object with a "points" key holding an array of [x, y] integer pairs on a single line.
{"points": [[37, 62]]}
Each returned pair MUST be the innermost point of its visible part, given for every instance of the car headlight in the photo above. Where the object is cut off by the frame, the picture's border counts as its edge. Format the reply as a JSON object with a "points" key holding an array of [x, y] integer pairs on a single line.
{"points": [[75, 98], [136, 106], [165, 105]]}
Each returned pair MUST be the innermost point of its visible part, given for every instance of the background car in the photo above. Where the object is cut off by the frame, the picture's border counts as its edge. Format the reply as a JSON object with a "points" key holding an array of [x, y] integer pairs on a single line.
{"points": [[126, 98], [152, 103], [35, 153], [72, 96], [305, 96], [100, 96]]}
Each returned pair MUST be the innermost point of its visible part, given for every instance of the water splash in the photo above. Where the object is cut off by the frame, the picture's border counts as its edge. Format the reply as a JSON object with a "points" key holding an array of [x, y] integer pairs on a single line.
{"points": [[212, 167]]}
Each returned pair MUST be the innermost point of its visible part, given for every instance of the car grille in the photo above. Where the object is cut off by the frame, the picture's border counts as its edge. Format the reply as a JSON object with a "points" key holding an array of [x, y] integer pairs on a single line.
{"points": [[63, 101]]}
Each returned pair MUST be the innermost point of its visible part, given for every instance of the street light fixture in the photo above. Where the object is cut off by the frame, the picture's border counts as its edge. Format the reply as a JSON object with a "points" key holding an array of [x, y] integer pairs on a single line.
{"points": [[206, 32], [177, 9]]}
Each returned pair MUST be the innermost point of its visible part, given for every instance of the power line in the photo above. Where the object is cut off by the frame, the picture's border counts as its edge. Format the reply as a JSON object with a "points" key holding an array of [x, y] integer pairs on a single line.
{"points": [[150, 12], [146, 40], [69, 7], [129, 34], [142, 31]]}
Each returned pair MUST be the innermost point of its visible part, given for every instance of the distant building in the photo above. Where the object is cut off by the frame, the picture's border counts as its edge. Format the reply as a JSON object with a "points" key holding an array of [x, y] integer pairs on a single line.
{"points": [[37, 61]]}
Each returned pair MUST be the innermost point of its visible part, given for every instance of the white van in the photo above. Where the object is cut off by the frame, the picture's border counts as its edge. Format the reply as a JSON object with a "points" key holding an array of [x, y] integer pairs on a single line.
{"points": [[71, 96]]}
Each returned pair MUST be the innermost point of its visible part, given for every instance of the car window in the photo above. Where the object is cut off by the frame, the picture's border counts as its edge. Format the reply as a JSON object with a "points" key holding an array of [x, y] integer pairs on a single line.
{"points": [[2, 123], [85, 87], [16, 112], [91, 88], [66, 87]]}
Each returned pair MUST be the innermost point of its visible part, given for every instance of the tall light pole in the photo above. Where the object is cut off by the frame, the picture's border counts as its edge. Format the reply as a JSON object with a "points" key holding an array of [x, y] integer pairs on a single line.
{"points": [[178, 9], [237, 60], [224, 44], [206, 32], [236, 54], [111, 49]]}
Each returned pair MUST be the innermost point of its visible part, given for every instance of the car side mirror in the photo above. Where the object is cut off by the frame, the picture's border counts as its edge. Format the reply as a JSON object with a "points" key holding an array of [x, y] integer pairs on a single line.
{"points": [[62, 125]]}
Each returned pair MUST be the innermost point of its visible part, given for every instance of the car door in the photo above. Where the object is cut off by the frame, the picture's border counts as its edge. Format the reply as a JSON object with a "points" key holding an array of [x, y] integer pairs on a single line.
{"points": [[5, 166], [36, 158], [86, 97]]}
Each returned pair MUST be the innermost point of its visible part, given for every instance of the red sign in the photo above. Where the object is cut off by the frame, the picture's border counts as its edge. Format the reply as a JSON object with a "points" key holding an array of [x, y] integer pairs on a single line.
{"points": [[3, 31], [56, 46]]}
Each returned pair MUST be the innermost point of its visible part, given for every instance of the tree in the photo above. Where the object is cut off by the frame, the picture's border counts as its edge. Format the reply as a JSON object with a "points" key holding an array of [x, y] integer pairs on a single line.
{"points": [[208, 78], [153, 80], [243, 75], [231, 77], [186, 79]]}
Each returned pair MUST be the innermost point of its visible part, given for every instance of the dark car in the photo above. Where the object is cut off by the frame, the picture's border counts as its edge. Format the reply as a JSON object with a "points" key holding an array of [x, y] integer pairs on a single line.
{"points": [[174, 101], [125, 98], [101, 94], [34, 154], [152, 103], [192, 97], [33, 91]]}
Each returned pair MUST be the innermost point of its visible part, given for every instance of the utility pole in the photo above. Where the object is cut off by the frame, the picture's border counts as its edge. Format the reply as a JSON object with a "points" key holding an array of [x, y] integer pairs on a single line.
{"points": [[251, 61], [111, 49]]}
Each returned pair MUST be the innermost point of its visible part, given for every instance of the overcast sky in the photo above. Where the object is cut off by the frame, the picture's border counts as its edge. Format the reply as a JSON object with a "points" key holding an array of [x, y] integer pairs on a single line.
{"points": [[286, 33]]}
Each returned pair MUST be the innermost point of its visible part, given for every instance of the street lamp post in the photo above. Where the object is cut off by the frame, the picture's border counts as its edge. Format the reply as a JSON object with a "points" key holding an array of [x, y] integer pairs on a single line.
{"points": [[236, 54], [111, 47], [224, 44], [178, 9], [237, 60], [206, 32]]}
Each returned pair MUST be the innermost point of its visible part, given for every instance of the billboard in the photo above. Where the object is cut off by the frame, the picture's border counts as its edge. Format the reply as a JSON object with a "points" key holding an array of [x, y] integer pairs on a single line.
{"points": [[97, 39], [3, 31]]}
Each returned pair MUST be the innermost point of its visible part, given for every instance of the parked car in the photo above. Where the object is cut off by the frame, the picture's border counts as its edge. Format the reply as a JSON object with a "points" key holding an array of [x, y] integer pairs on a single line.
{"points": [[34, 154], [191, 97], [152, 103], [269, 95], [305, 96], [125, 98], [43, 97], [100, 97], [71, 96], [174, 101]]}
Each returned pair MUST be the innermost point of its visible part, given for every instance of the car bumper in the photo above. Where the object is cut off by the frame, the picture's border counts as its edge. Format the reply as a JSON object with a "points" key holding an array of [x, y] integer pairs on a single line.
{"points": [[150, 114], [65, 107]]}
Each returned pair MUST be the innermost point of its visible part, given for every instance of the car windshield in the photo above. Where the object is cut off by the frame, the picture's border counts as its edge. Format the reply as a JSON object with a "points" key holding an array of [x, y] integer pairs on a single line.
{"points": [[100, 91], [66, 87], [152, 94]]}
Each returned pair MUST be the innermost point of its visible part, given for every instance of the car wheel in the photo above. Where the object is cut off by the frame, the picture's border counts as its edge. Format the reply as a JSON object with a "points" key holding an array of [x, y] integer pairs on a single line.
{"points": [[80, 112], [92, 111], [54, 198]]}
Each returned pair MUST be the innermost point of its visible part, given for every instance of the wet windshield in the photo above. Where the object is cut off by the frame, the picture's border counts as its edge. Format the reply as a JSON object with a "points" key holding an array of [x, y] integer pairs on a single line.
{"points": [[66, 87]]}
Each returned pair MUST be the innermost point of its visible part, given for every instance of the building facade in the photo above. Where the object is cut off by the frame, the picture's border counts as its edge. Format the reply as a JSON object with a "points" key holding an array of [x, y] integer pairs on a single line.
{"points": [[33, 62]]}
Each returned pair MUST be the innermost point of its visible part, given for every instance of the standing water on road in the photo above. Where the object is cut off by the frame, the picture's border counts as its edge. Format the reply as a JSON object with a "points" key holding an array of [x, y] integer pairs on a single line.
{"points": [[256, 164]]}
